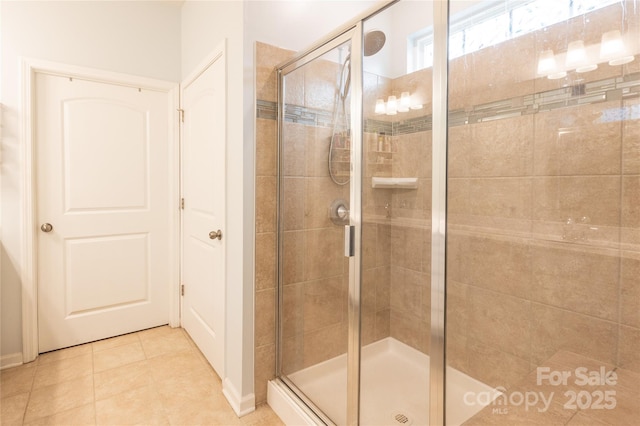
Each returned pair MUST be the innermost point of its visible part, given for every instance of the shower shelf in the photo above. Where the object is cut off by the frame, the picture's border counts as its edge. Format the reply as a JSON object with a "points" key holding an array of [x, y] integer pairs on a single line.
{"points": [[400, 183]]}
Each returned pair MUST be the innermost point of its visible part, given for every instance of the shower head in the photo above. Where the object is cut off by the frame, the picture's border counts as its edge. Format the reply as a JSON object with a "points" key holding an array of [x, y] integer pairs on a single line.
{"points": [[373, 42]]}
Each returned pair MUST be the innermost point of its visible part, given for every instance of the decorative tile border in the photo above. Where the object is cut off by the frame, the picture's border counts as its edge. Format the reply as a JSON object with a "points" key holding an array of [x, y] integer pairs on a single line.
{"points": [[618, 88]]}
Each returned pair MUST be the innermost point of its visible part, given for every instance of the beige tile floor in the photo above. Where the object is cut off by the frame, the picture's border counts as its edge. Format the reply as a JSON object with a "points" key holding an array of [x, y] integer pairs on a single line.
{"points": [[153, 377]]}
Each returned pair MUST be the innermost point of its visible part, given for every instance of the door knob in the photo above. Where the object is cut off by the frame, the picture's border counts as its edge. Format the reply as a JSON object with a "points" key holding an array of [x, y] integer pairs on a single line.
{"points": [[46, 227], [215, 235]]}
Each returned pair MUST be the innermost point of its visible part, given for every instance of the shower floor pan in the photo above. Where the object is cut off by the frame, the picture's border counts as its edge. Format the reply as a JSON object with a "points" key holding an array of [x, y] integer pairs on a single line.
{"points": [[394, 389]]}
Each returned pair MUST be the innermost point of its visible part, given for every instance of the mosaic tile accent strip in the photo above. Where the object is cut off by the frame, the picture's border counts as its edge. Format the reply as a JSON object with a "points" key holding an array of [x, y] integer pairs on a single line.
{"points": [[626, 87]]}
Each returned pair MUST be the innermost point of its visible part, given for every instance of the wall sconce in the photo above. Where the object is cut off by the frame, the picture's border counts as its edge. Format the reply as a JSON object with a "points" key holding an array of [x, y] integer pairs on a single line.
{"points": [[405, 102], [577, 58], [547, 66], [392, 105], [612, 48]]}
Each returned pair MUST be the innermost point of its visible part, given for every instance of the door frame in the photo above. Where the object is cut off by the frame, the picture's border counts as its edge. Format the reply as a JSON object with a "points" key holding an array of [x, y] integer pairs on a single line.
{"points": [[29, 273]]}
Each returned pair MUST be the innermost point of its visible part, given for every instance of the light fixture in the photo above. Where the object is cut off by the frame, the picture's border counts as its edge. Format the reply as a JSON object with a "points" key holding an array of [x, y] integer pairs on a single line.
{"points": [[547, 66], [405, 102], [577, 57], [392, 105], [612, 48], [380, 107]]}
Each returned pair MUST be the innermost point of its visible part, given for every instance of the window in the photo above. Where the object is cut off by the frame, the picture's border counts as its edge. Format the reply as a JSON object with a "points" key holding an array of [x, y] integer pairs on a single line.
{"points": [[494, 22]]}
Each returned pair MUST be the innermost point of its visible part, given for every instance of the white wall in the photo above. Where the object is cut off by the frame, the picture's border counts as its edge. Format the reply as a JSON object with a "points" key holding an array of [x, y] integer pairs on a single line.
{"points": [[141, 38]]}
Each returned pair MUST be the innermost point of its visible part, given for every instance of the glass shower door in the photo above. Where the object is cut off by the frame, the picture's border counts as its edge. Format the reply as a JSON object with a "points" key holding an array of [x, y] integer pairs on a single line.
{"points": [[314, 207], [396, 242], [543, 254]]}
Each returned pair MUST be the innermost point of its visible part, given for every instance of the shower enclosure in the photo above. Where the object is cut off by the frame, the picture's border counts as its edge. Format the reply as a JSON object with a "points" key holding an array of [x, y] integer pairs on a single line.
{"points": [[458, 216]]}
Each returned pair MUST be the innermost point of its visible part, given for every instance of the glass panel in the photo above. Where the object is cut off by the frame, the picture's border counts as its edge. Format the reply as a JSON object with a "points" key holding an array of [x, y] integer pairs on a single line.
{"points": [[396, 205], [314, 207], [543, 237]]}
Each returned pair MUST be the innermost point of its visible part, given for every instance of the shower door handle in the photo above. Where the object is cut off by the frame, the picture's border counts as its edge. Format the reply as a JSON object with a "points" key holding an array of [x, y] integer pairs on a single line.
{"points": [[349, 241]]}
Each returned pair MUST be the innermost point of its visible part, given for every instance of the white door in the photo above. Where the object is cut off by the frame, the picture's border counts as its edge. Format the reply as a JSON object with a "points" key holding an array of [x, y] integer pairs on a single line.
{"points": [[102, 166], [204, 182]]}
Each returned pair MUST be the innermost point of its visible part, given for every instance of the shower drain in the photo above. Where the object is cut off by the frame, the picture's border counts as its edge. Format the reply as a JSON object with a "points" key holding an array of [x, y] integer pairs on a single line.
{"points": [[401, 418]]}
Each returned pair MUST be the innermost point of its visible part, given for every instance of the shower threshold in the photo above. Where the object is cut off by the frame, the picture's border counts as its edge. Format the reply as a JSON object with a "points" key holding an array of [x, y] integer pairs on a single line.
{"points": [[394, 389]]}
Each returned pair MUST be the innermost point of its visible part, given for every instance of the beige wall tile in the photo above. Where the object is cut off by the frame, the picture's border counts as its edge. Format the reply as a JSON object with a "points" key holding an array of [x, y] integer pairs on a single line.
{"points": [[265, 204], [498, 264], [267, 57], [577, 141], [501, 197], [629, 348], [630, 291], [324, 344], [408, 330], [574, 279], [630, 202], [293, 309], [459, 152], [265, 261], [265, 370], [595, 197], [631, 139], [319, 193], [329, 242], [320, 78], [294, 144], [324, 303], [494, 367], [554, 329], [501, 148], [265, 310], [500, 321], [317, 151], [293, 189], [493, 73], [266, 147], [293, 253]]}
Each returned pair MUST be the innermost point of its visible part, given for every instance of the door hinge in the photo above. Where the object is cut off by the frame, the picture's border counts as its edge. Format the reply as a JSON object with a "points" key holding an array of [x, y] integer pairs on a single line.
{"points": [[181, 111], [181, 289], [182, 203]]}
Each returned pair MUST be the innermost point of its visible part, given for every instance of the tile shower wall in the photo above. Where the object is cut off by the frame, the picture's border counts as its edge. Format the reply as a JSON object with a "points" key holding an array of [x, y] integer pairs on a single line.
{"points": [[541, 221], [544, 223]]}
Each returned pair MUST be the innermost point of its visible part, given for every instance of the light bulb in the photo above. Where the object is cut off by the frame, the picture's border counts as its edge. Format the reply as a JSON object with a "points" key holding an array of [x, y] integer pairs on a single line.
{"points": [[380, 107], [577, 57], [547, 66]]}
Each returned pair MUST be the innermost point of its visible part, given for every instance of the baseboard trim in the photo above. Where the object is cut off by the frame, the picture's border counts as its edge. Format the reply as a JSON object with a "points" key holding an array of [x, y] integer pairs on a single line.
{"points": [[241, 405], [10, 360]]}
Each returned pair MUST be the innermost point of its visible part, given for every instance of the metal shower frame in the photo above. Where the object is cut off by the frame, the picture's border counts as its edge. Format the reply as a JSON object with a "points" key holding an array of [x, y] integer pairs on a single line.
{"points": [[354, 32]]}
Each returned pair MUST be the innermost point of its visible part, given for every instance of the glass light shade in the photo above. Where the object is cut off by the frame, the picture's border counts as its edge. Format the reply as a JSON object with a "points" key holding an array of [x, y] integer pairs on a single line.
{"points": [[577, 57], [380, 107], [612, 48], [547, 66], [392, 105], [405, 102]]}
